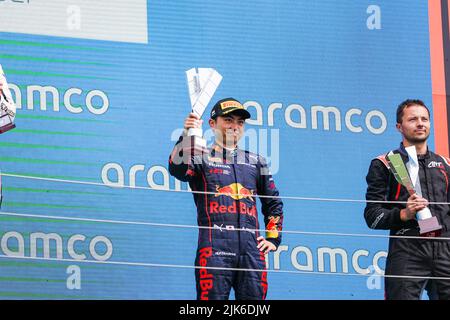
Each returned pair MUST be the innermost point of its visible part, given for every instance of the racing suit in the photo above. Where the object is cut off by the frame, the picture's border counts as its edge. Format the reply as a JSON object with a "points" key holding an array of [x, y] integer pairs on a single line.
{"points": [[411, 257], [224, 174]]}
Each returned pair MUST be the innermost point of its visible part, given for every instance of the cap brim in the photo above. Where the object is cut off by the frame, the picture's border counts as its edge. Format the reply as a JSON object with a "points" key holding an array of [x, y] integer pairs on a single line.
{"points": [[238, 111]]}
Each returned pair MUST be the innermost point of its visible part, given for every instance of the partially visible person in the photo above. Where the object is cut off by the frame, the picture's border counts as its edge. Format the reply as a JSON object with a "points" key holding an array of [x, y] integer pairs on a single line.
{"points": [[418, 258]]}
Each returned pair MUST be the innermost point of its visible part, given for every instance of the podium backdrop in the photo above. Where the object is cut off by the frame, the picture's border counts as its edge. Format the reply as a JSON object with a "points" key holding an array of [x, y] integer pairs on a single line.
{"points": [[101, 94]]}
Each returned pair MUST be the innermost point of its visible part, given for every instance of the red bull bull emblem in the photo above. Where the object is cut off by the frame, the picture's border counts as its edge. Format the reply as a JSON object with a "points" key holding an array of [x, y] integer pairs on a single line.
{"points": [[272, 230], [236, 191]]}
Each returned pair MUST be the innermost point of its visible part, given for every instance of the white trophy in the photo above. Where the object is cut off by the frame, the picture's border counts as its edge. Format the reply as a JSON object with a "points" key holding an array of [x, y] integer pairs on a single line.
{"points": [[408, 176], [7, 106], [202, 83]]}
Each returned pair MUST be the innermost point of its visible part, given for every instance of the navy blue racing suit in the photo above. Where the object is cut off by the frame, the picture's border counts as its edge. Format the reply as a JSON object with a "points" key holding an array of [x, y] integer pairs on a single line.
{"points": [[232, 179]]}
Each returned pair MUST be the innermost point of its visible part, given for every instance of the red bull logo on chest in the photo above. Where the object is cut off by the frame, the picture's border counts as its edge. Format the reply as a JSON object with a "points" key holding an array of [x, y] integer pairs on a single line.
{"points": [[236, 191], [241, 207]]}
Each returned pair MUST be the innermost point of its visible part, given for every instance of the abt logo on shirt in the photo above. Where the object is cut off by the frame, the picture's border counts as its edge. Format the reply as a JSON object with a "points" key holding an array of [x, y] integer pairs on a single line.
{"points": [[435, 164]]}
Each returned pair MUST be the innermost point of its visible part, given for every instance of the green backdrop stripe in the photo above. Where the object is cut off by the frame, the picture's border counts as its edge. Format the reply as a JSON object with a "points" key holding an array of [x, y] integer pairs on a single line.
{"points": [[47, 205], [46, 280], [43, 146], [42, 295], [49, 74], [49, 45], [38, 175], [29, 116], [52, 60], [32, 264], [64, 133], [45, 161], [16, 189]]}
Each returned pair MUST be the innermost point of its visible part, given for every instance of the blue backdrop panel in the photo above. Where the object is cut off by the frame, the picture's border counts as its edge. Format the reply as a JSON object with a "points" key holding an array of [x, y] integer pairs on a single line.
{"points": [[106, 112]]}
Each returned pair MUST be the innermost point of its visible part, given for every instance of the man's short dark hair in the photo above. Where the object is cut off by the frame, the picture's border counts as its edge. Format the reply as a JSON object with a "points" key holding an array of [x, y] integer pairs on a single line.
{"points": [[408, 103]]}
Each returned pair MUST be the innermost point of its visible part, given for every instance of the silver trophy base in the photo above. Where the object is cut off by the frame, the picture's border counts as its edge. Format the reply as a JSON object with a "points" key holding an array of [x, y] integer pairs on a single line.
{"points": [[193, 146], [198, 142], [430, 227], [196, 139]]}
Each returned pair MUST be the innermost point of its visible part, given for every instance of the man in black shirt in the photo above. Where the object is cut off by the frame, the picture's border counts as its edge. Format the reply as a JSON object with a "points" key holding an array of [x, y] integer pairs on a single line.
{"points": [[417, 258]]}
